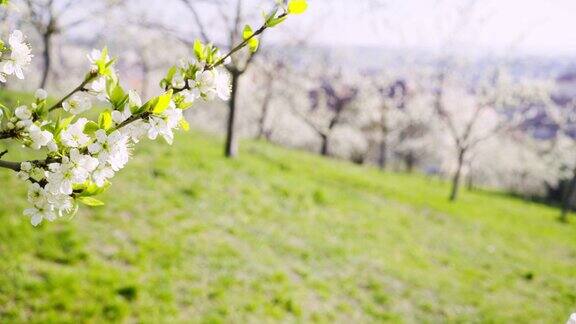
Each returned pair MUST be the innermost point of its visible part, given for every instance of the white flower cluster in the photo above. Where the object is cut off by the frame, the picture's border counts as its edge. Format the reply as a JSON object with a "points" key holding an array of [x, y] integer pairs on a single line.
{"points": [[89, 158], [24, 123], [209, 84], [83, 155], [20, 57]]}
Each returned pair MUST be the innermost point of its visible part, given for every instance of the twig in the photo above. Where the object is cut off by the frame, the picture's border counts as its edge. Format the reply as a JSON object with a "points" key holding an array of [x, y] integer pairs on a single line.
{"points": [[77, 89], [242, 44]]}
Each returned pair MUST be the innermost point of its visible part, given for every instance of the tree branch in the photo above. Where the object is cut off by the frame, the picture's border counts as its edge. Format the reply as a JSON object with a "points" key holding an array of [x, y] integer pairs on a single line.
{"points": [[242, 44], [90, 78]]}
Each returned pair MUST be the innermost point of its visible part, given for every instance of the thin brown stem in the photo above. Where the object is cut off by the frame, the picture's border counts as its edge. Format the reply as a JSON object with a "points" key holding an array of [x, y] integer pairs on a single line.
{"points": [[81, 87], [242, 44], [8, 134]]}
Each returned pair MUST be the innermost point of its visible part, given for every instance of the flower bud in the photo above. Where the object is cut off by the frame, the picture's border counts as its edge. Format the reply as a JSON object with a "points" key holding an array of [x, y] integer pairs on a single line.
{"points": [[41, 94]]}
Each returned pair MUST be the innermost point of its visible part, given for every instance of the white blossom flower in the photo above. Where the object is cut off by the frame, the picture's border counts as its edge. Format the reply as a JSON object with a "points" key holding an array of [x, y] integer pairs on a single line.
{"points": [[134, 99], [64, 204], [186, 62], [95, 55], [25, 168], [41, 94], [190, 96], [205, 84], [24, 123], [36, 194], [60, 178], [39, 137], [82, 164], [23, 113], [135, 130], [112, 148], [46, 204], [20, 56], [75, 169], [101, 174], [120, 116], [223, 87], [52, 146], [212, 83], [38, 213], [98, 88], [77, 104], [163, 125], [158, 126], [572, 319], [74, 135], [178, 81]]}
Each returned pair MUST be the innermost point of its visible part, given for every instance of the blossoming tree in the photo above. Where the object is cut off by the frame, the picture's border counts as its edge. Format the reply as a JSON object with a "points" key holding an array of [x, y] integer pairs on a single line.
{"points": [[82, 155], [331, 99], [563, 117], [470, 115]]}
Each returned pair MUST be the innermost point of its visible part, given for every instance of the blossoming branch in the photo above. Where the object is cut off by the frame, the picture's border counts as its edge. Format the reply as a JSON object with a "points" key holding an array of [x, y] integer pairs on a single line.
{"points": [[82, 155]]}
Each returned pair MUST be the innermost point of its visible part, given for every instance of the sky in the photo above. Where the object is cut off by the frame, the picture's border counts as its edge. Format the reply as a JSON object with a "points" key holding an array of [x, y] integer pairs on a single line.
{"points": [[545, 27]]}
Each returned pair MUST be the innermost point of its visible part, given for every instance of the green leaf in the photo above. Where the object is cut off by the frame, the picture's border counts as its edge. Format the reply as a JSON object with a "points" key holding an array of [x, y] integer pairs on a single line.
{"points": [[171, 73], [146, 106], [7, 111], [253, 44], [91, 128], [163, 102], [116, 94], [247, 32], [297, 6], [271, 14], [199, 50], [91, 189], [61, 124], [66, 122], [105, 120], [90, 201], [275, 21]]}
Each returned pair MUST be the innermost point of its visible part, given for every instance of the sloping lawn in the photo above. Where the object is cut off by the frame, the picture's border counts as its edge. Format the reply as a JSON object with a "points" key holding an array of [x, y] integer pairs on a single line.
{"points": [[278, 235]]}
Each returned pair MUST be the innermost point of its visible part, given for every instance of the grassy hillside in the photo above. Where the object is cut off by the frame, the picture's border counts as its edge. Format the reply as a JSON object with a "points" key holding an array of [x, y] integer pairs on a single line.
{"points": [[277, 235]]}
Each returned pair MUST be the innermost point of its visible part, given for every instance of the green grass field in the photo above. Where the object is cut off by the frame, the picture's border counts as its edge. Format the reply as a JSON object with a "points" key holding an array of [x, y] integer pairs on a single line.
{"points": [[279, 235]]}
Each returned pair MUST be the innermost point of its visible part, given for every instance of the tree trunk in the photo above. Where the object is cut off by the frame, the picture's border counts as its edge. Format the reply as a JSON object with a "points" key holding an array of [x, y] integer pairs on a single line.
{"points": [[382, 153], [231, 147], [470, 182], [47, 39], [262, 120], [324, 146], [383, 133], [567, 198], [457, 174], [410, 162]]}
